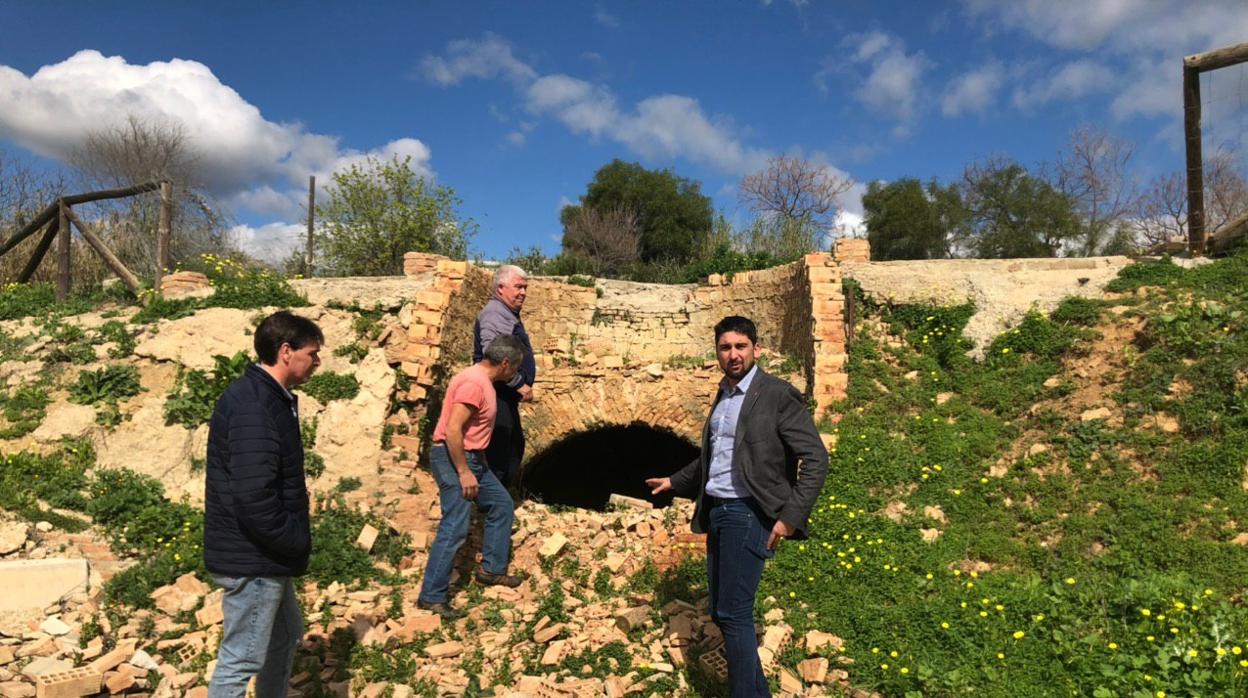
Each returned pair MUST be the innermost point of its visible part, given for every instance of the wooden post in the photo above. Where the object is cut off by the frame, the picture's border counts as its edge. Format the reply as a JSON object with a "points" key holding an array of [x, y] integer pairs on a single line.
{"points": [[163, 232], [308, 255], [41, 251], [62, 253], [110, 259], [1195, 162]]}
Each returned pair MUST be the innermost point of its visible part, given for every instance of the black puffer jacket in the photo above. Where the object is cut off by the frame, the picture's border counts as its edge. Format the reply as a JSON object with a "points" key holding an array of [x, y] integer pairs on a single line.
{"points": [[255, 499]]}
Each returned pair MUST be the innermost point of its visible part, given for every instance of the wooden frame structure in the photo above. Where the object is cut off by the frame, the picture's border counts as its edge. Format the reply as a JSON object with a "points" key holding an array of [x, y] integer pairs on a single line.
{"points": [[58, 217], [1193, 66]]}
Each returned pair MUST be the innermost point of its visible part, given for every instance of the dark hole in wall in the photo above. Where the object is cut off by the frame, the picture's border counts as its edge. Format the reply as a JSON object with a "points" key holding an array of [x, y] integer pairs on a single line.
{"points": [[585, 469]]}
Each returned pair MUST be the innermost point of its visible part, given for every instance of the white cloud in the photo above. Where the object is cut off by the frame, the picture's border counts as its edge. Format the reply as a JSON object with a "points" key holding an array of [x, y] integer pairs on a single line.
{"points": [[660, 126], [243, 158], [893, 83], [973, 91], [1140, 43], [1071, 81], [605, 18], [488, 57], [271, 243]]}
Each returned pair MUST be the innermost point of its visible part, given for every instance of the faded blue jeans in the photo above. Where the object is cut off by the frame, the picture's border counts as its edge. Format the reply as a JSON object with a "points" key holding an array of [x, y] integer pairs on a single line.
{"points": [[492, 499], [736, 551], [263, 627]]}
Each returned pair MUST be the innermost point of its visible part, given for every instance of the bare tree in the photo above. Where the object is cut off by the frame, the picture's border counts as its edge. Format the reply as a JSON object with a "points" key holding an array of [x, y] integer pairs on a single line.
{"points": [[1094, 171], [609, 240], [144, 150], [23, 194], [1161, 212], [794, 189]]}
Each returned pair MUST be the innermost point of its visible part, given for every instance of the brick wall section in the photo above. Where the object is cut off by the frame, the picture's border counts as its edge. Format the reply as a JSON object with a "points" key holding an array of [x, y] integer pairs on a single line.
{"points": [[828, 351], [601, 350]]}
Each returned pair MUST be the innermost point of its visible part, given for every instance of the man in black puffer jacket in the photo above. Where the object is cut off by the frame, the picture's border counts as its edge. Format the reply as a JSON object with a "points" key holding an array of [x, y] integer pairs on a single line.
{"points": [[256, 531]]}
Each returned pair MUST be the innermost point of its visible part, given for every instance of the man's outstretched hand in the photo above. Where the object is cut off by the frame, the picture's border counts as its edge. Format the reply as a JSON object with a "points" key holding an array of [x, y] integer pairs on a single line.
{"points": [[658, 485]]}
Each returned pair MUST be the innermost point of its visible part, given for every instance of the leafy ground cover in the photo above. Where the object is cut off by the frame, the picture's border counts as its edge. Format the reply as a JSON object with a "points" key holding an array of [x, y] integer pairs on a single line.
{"points": [[983, 532]]}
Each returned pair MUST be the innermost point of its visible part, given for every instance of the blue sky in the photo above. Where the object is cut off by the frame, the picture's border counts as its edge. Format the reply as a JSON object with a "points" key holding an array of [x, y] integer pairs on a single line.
{"points": [[516, 104]]}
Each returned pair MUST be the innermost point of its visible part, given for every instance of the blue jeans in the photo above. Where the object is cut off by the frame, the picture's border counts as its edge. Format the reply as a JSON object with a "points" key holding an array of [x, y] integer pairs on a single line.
{"points": [[492, 499], [263, 627], [736, 550]]}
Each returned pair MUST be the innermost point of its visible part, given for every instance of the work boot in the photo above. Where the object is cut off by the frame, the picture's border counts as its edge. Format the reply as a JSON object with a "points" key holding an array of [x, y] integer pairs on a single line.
{"points": [[439, 607], [490, 579]]}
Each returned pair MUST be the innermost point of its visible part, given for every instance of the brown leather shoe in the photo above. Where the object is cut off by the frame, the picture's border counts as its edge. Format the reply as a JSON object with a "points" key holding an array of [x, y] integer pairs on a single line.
{"points": [[439, 607], [490, 579]]}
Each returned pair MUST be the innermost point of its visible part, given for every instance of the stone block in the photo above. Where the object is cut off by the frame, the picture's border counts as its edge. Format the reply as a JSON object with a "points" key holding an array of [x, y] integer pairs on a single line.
{"points": [[552, 545], [368, 536], [443, 650], [813, 670], [37, 584], [68, 684]]}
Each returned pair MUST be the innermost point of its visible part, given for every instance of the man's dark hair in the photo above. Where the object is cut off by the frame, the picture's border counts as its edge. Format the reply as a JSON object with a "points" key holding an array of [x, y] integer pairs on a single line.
{"points": [[284, 327], [504, 348], [738, 324]]}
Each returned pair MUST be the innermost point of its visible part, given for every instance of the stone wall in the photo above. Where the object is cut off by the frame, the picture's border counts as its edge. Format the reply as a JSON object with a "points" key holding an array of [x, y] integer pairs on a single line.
{"points": [[620, 353]]}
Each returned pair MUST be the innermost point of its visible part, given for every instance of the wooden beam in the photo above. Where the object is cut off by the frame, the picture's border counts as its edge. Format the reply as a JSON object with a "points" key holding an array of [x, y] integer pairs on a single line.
{"points": [[131, 281], [41, 251], [1217, 58], [163, 229], [1195, 163], [62, 253], [51, 211]]}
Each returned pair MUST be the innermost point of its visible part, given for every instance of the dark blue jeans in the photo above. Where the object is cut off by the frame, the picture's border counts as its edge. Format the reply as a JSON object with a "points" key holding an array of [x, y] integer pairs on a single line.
{"points": [[736, 550], [492, 499]]}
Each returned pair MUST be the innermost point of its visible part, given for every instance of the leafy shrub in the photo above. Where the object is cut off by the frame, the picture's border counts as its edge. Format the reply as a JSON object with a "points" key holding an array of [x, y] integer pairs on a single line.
{"points": [[581, 280], [329, 386], [116, 332], [239, 286], [138, 520], [1145, 272], [25, 300], [1077, 310], [108, 384], [313, 462], [57, 478], [196, 392], [336, 557], [160, 308], [24, 410]]}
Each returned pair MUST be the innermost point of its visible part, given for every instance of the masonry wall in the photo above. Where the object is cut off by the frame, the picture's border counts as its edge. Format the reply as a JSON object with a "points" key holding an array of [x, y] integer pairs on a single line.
{"points": [[619, 352]]}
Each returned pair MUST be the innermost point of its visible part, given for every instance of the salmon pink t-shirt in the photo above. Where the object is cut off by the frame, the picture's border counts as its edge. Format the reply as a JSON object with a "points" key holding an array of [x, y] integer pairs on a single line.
{"points": [[470, 387]]}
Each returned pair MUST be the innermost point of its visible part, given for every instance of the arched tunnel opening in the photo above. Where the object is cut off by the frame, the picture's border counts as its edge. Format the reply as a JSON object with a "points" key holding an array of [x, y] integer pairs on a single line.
{"points": [[585, 469]]}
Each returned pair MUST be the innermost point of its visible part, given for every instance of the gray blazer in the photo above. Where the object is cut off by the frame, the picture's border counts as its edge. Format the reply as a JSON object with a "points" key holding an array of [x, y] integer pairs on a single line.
{"points": [[774, 434]]}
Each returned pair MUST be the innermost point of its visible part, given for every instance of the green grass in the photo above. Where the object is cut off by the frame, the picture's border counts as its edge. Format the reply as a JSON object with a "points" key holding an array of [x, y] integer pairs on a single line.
{"points": [[1100, 567]]}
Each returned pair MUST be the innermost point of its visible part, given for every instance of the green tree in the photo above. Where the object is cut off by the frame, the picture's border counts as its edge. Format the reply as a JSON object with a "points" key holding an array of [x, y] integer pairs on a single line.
{"points": [[1013, 213], [377, 211], [673, 215], [907, 220]]}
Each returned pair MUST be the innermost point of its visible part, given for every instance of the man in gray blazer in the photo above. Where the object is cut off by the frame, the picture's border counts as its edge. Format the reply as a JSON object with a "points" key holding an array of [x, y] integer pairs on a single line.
{"points": [[761, 468]]}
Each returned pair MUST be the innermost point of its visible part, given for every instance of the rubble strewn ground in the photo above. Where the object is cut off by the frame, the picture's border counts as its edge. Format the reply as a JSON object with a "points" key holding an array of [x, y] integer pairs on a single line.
{"points": [[612, 606]]}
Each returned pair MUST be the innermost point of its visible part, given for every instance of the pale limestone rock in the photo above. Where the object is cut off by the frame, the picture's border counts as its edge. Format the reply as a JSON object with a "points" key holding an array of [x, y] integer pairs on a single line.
{"points": [[65, 419], [192, 341], [12, 536], [145, 444]]}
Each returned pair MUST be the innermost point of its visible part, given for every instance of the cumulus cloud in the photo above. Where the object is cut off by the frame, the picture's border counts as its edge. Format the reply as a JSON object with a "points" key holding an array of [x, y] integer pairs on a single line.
{"points": [[893, 81], [1071, 81], [973, 91], [1139, 41], [271, 243], [659, 126], [243, 158], [487, 57]]}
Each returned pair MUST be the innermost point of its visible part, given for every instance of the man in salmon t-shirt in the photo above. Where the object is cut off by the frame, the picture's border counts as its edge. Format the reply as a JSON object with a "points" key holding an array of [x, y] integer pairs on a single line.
{"points": [[459, 466]]}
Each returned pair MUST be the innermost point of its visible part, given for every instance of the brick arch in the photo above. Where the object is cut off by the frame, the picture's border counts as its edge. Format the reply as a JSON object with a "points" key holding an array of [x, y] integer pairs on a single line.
{"points": [[572, 401]]}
